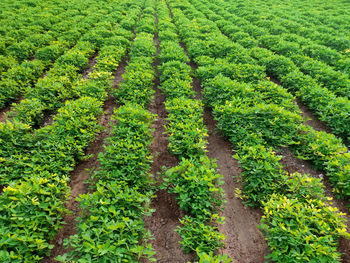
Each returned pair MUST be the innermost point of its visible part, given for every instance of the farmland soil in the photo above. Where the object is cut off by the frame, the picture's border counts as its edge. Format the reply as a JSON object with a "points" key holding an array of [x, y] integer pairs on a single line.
{"points": [[163, 222], [90, 68], [81, 172], [7, 109], [293, 164], [244, 241], [312, 119]]}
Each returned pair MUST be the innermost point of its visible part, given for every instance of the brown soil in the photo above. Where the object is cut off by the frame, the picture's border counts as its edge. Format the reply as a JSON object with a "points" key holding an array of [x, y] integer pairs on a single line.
{"points": [[5, 110], [311, 119], [92, 62], [163, 222], [292, 164], [244, 241], [81, 173]]}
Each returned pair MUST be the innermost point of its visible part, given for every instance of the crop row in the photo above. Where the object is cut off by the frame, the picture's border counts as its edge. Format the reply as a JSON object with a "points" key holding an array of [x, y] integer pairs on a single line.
{"points": [[33, 204], [195, 180], [61, 22], [258, 35], [111, 228], [333, 110], [298, 222], [324, 150], [19, 79], [305, 21]]}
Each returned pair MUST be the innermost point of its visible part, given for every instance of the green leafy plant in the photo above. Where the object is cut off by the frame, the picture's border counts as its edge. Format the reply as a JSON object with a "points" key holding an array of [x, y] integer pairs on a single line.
{"points": [[197, 185], [200, 236], [302, 231]]}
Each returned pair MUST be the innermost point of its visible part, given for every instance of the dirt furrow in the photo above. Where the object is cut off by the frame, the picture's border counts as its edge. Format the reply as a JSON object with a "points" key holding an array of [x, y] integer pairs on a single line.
{"points": [[311, 119], [91, 64], [8, 108], [82, 172], [163, 222], [244, 241]]}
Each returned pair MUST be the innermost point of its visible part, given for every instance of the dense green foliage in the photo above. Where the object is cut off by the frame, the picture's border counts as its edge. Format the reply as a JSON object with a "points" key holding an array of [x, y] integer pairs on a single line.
{"points": [[195, 180], [257, 119], [253, 60]]}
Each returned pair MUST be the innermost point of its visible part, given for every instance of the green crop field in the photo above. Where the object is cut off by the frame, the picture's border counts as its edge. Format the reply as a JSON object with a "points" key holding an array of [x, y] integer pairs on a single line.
{"points": [[208, 131]]}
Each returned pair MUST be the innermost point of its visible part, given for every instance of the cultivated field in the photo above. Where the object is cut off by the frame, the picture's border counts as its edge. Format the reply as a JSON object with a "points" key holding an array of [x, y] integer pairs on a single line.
{"points": [[208, 131]]}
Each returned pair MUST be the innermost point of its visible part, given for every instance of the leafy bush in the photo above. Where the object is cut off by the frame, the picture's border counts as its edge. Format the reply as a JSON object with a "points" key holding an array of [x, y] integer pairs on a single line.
{"points": [[200, 236], [31, 214], [171, 51], [210, 258], [197, 185], [262, 173], [111, 226], [302, 231], [50, 53], [187, 133], [29, 111], [275, 124]]}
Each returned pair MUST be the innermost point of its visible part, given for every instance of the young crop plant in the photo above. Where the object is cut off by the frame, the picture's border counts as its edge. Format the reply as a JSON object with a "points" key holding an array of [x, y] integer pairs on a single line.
{"points": [[195, 180], [196, 184], [200, 236], [255, 140], [187, 133], [210, 258], [297, 232]]}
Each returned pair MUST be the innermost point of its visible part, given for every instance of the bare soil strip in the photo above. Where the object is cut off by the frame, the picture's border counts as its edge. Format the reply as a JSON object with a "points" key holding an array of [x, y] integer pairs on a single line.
{"points": [[312, 119], [163, 222], [244, 241], [81, 173], [8, 108], [92, 62], [293, 164]]}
